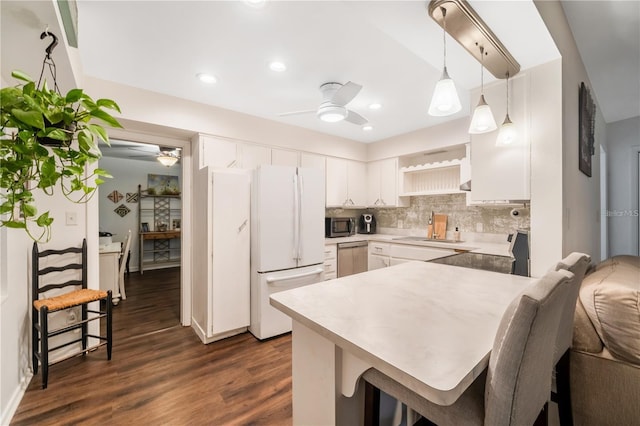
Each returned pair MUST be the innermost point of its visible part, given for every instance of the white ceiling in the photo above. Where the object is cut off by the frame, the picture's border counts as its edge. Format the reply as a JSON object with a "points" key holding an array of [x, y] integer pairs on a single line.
{"points": [[392, 48]]}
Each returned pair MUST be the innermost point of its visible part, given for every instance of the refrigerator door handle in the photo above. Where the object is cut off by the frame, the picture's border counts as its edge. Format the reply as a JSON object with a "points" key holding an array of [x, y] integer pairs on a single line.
{"points": [[296, 217], [271, 280], [301, 215]]}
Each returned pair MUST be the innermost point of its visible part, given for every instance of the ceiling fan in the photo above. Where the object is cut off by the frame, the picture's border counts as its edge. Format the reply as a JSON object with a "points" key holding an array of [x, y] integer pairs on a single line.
{"points": [[335, 97]]}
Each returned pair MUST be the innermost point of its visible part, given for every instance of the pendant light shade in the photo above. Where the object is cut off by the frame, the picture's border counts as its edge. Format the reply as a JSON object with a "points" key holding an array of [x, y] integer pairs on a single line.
{"points": [[167, 160], [508, 134], [445, 100], [482, 120]]}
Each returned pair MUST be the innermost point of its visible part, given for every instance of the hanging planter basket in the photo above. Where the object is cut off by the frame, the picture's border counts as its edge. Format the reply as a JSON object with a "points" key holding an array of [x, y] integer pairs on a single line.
{"points": [[47, 140]]}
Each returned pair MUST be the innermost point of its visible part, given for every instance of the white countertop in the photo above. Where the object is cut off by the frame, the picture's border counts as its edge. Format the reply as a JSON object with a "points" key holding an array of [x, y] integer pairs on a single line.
{"points": [[109, 248], [428, 326], [492, 248]]}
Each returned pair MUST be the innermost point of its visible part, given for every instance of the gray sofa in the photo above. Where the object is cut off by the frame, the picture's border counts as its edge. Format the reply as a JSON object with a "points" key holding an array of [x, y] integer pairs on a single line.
{"points": [[605, 357]]}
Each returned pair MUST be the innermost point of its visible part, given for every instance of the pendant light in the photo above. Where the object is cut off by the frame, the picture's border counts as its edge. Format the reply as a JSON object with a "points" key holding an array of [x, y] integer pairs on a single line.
{"points": [[445, 100], [508, 134], [482, 120]]}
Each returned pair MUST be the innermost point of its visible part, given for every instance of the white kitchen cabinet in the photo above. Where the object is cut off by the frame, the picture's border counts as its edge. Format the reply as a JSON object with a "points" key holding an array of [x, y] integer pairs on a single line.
{"points": [[217, 153], [312, 161], [501, 173], [221, 281], [382, 184], [379, 255], [330, 261], [251, 156], [423, 253], [285, 157], [346, 183]]}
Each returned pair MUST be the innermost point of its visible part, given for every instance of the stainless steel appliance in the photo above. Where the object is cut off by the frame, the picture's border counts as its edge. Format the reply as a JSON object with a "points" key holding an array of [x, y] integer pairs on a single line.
{"points": [[339, 226], [367, 224], [352, 258], [520, 251]]}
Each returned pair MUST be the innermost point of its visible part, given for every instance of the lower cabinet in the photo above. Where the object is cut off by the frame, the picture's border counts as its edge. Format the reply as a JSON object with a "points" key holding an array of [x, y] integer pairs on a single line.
{"points": [[330, 261], [383, 254]]}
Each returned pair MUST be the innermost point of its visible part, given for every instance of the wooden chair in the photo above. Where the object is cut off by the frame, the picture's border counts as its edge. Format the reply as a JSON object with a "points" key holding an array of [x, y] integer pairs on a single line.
{"points": [[515, 388], [48, 295], [576, 263], [124, 262]]}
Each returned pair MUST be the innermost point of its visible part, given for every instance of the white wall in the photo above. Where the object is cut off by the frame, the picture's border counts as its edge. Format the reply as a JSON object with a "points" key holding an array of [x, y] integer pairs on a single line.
{"points": [[581, 194], [127, 175], [623, 149]]}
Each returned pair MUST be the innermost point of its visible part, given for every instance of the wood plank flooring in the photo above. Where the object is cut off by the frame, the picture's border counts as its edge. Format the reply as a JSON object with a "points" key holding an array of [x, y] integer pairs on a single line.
{"points": [[161, 373]]}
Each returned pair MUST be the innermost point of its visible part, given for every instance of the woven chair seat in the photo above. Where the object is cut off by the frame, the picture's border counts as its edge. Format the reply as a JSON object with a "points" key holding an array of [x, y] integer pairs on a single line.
{"points": [[74, 298]]}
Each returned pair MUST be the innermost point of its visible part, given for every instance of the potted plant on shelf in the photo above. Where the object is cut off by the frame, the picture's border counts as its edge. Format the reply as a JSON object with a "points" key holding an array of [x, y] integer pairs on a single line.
{"points": [[46, 140]]}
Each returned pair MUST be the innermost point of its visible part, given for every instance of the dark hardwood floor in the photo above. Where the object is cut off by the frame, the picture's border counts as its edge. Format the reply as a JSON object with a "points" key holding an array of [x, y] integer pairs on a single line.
{"points": [[161, 373]]}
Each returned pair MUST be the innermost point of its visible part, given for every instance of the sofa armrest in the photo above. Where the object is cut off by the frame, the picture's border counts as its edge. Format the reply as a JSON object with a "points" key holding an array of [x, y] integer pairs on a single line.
{"points": [[585, 337]]}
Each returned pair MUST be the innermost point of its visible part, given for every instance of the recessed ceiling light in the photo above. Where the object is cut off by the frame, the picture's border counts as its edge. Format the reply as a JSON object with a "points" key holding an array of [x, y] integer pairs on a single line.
{"points": [[367, 127], [207, 78], [277, 66], [255, 3], [375, 106]]}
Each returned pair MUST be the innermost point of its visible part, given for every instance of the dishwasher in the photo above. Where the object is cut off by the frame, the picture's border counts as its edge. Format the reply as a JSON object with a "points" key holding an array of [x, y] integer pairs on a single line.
{"points": [[352, 258]]}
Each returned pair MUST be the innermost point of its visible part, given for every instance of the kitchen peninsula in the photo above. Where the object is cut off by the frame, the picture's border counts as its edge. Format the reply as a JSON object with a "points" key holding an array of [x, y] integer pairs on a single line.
{"points": [[428, 326]]}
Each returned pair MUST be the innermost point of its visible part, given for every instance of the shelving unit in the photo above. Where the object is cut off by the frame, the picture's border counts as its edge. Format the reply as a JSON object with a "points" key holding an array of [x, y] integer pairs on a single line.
{"points": [[429, 179], [159, 219]]}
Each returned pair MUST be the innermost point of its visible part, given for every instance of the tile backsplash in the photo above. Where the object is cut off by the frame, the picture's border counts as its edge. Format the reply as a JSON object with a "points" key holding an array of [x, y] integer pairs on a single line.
{"points": [[494, 220]]}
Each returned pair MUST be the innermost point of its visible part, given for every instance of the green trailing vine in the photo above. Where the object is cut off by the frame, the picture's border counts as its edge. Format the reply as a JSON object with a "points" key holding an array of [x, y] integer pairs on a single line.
{"points": [[48, 140]]}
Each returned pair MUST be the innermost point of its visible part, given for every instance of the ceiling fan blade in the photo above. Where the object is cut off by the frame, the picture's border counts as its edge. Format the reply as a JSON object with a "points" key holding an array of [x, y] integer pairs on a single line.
{"points": [[355, 118], [286, 114], [346, 93]]}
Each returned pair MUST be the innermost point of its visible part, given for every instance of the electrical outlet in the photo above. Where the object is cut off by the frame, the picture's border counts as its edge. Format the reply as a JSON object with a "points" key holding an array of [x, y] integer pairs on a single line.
{"points": [[479, 227], [71, 218], [400, 224]]}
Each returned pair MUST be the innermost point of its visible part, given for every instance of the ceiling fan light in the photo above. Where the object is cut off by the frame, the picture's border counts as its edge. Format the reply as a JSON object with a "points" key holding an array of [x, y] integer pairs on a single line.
{"points": [[482, 120], [508, 134], [445, 100], [167, 160], [332, 113]]}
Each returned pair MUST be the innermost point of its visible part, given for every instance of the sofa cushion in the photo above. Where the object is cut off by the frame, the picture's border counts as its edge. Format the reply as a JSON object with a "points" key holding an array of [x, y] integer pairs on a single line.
{"points": [[611, 298]]}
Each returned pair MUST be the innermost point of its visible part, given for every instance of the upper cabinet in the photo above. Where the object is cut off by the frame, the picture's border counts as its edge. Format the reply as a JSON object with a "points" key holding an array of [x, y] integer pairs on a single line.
{"points": [[285, 157], [500, 173], [382, 184], [346, 183], [216, 153], [251, 156]]}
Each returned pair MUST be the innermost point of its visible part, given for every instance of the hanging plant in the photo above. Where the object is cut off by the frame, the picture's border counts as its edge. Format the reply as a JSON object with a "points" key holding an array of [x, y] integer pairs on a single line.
{"points": [[47, 140]]}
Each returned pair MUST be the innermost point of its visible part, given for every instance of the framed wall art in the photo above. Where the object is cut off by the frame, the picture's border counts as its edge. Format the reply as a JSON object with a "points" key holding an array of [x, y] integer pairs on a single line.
{"points": [[586, 122]]}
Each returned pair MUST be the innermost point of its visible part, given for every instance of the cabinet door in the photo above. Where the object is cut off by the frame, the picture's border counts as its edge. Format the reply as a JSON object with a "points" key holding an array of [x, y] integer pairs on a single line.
{"points": [[218, 153], [312, 161], [254, 155], [373, 183], [283, 157], [377, 262], [336, 178], [388, 181], [357, 182]]}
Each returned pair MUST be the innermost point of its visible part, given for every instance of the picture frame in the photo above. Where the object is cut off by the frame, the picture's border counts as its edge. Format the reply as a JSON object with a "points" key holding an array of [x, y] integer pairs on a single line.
{"points": [[144, 227], [586, 129], [175, 224]]}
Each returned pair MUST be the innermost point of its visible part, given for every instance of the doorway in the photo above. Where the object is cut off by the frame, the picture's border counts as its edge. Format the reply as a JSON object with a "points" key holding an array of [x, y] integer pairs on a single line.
{"points": [[131, 163]]}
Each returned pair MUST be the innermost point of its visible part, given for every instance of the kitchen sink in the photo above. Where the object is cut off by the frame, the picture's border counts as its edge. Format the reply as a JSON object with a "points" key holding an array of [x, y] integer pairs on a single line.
{"points": [[425, 239]]}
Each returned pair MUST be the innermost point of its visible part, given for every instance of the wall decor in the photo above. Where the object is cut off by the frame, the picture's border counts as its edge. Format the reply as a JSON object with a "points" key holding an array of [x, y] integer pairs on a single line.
{"points": [[586, 131], [115, 196], [144, 227], [132, 197], [163, 185], [122, 210]]}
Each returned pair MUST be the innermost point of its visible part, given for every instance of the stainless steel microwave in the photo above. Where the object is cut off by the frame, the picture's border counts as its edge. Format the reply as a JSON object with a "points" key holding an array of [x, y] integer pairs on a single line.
{"points": [[339, 226]]}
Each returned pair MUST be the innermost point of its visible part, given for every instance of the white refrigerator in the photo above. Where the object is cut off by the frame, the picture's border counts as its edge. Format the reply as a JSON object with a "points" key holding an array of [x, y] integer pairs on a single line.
{"points": [[287, 240]]}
